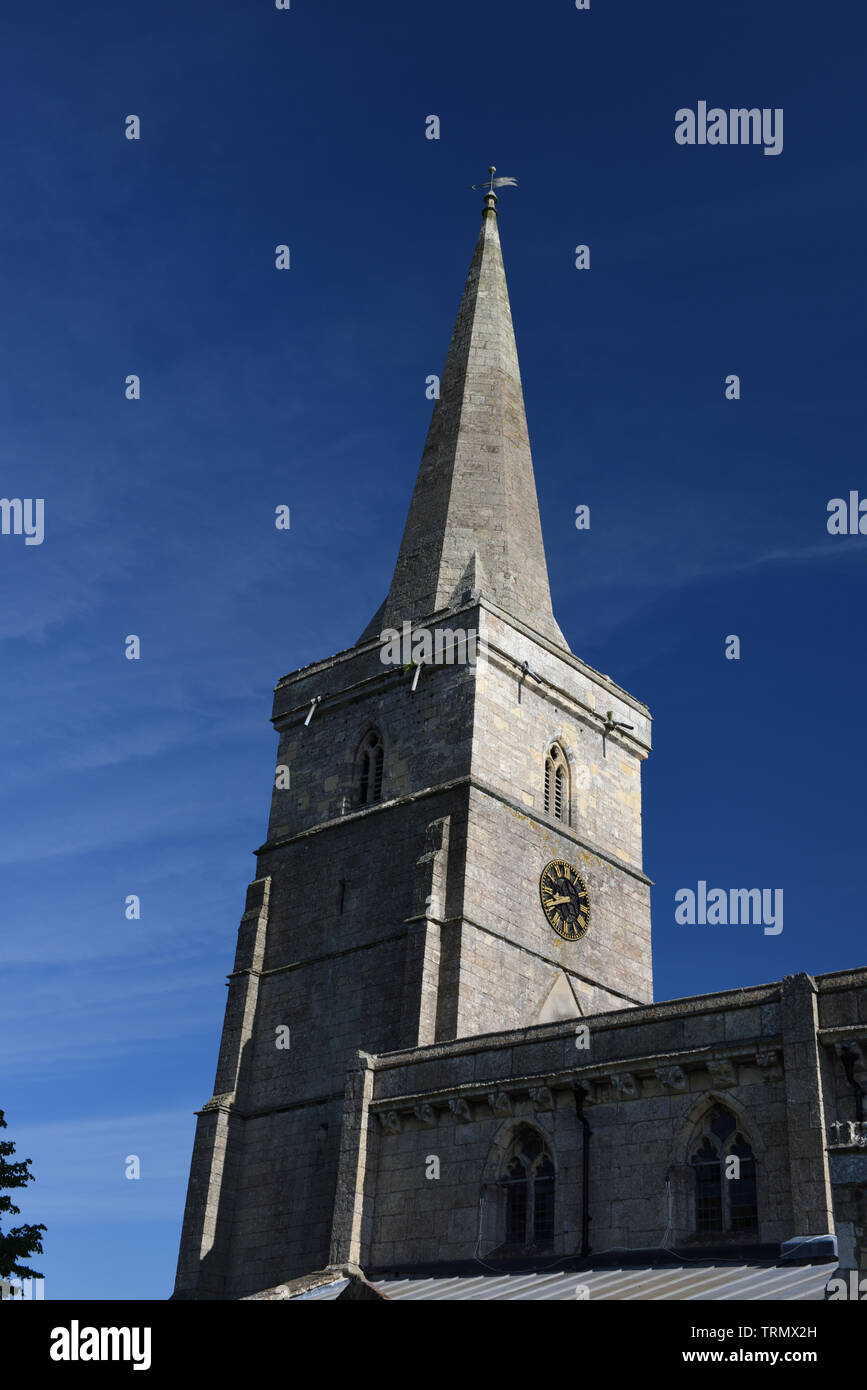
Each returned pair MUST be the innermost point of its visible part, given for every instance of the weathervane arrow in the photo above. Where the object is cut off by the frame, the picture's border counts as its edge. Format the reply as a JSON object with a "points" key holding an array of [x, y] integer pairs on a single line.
{"points": [[491, 183]]}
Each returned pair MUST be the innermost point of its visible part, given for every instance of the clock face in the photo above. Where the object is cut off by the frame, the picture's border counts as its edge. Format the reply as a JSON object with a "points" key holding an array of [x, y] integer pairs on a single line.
{"points": [[565, 900]]}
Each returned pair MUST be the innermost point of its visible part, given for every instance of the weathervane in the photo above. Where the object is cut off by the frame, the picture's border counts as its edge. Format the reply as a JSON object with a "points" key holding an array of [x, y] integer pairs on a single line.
{"points": [[493, 183]]}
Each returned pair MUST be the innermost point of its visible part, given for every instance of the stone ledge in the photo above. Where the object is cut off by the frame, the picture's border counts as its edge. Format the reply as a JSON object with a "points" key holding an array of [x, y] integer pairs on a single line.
{"points": [[628, 1017], [643, 1066], [472, 784], [358, 1286]]}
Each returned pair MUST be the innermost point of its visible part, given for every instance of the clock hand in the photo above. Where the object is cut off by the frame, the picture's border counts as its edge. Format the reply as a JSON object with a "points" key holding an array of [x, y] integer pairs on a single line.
{"points": [[555, 902]]}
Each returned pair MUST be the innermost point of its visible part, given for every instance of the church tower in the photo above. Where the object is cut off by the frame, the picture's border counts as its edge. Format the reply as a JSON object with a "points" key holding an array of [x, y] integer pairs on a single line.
{"points": [[454, 845]]}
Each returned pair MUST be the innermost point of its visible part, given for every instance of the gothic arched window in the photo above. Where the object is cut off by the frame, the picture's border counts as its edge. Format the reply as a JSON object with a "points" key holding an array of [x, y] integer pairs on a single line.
{"points": [[528, 1190], [370, 759], [556, 784], [516, 1184], [725, 1191], [543, 1199], [743, 1202]]}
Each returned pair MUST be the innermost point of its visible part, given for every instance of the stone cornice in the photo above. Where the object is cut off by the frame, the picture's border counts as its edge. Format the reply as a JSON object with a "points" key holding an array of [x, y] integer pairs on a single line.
{"points": [[842, 979], [643, 1066], [476, 784], [374, 942], [841, 1032], [568, 657], [619, 1018], [226, 1105], [362, 687], [569, 702]]}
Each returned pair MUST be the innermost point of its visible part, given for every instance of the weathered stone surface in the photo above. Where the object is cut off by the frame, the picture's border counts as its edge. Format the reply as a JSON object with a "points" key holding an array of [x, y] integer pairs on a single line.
{"points": [[672, 1078], [624, 1083], [433, 1025], [722, 1071], [473, 522]]}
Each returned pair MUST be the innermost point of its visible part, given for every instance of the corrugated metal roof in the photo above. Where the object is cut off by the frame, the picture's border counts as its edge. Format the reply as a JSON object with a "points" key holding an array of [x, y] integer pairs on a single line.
{"points": [[688, 1283]]}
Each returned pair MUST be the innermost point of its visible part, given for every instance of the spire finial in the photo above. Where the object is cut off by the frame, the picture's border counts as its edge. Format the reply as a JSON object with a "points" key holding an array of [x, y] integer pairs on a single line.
{"points": [[490, 184], [477, 450]]}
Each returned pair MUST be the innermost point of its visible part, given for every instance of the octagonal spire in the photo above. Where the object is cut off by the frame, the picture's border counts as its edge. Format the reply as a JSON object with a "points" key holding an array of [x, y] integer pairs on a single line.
{"points": [[473, 525]]}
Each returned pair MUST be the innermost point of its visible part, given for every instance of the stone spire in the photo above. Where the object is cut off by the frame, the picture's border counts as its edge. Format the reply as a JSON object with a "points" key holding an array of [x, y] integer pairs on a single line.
{"points": [[473, 526]]}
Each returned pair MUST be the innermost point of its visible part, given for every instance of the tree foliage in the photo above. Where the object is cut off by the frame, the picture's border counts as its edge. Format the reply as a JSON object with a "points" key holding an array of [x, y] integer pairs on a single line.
{"points": [[19, 1242]]}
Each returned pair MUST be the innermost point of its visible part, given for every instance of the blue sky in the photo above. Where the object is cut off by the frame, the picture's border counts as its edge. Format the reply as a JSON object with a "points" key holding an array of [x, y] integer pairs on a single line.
{"points": [[307, 388]]}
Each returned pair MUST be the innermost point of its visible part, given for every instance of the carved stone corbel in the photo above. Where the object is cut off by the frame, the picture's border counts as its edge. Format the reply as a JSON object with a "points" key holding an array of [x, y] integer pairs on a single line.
{"points": [[501, 1104], [542, 1097], [769, 1061], [672, 1078], [624, 1084], [723, 1071]]}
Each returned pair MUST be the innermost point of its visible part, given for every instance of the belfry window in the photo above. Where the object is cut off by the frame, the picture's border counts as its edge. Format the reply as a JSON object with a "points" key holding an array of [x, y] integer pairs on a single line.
{"points": [[556, 784], [370, 760], [725, 1190], [527, 1185]]}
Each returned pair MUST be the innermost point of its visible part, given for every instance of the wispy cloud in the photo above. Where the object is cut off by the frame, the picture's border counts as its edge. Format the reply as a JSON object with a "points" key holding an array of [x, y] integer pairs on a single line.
{"points": [[79, 1166]]}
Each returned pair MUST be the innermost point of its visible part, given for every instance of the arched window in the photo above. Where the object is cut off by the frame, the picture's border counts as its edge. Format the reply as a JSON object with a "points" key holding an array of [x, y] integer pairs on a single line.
{"points": [[370, 758], [556, 784], [528, 1190], [708, 1189], [725, 1192], [543, 1200], [516, 1203], [743, 1203]]}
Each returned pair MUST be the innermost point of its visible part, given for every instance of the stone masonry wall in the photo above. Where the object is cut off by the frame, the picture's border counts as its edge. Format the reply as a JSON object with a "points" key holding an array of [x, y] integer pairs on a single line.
{"points": [[651, 1075]]}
